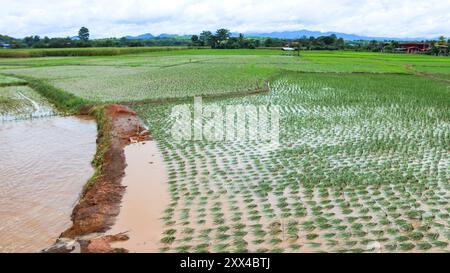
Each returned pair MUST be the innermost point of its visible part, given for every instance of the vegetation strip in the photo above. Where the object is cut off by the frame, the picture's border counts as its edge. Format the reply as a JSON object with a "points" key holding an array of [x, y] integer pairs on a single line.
{"points": [[61, 52], [13, 84], [6, 81]]}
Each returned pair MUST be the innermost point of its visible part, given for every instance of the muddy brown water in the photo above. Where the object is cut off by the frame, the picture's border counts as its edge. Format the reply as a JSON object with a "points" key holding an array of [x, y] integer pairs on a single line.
{"points": [[44, 164], [144, 200]]}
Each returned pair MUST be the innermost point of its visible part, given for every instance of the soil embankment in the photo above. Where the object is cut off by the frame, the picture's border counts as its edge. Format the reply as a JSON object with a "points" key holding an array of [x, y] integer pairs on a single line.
{"points": [[100, 201]]}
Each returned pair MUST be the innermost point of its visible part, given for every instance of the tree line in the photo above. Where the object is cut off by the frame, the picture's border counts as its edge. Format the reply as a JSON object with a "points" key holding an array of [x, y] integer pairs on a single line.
{"points": [[221, 39], [83, 40]]}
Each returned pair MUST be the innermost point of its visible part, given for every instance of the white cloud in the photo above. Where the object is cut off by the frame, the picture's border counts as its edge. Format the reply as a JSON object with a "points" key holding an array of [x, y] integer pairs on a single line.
{"points": [[107, 18]]}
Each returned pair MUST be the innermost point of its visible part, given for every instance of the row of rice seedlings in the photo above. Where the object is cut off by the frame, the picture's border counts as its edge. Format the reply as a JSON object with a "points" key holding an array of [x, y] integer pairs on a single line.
{"points": [[338, 182]]}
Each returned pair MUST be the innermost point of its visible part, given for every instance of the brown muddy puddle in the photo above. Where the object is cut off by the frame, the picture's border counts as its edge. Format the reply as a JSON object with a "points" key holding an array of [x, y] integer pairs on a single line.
{"points": [[144, 200], [44, 164]]}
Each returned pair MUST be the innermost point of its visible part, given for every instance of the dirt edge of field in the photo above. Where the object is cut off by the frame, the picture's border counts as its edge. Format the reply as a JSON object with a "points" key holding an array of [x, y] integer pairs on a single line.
{"points": [[99, 203], [410, 68]]}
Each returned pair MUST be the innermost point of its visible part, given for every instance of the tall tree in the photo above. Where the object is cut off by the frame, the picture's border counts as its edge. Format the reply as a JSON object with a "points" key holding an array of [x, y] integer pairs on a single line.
{"points": [[241, 40], [83, 34], [221, 38], [194, 39], [222, 34], [206, 38]]}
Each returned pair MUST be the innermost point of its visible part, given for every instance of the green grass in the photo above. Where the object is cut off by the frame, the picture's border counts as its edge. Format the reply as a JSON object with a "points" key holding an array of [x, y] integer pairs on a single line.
{"points": [[61, 99]]}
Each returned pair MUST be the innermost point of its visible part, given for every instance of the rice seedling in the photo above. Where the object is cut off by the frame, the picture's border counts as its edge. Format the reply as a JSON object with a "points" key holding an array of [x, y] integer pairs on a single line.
{"points": [[168, 239], [406, 246], [311, 236], [220, 247]]}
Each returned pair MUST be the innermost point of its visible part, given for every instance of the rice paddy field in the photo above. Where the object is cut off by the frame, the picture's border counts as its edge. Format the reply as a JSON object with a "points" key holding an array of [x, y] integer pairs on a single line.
{"points": [[185, 73], [22, 102], [363, 163]]}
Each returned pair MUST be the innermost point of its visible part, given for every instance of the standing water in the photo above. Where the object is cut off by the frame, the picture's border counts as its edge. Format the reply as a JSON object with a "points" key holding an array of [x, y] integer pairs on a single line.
{"points": [[44, 164], [145, 199]]}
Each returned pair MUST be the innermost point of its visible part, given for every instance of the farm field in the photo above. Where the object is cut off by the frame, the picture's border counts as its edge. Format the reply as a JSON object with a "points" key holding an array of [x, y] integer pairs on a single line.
{"points": [[184, 73], [362, 159], [95, 51], [362, 165]]}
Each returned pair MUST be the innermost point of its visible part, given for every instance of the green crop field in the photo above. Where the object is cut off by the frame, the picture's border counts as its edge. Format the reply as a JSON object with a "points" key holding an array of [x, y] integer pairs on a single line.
{"points": [[185, 73], [362, 158], [97, 51], [363, 154]]}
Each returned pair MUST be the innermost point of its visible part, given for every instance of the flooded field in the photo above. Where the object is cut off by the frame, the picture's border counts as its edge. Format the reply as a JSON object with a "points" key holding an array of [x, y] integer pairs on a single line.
{"points": [[145, 198], [22, 102], [44, 164], [354, 171]]}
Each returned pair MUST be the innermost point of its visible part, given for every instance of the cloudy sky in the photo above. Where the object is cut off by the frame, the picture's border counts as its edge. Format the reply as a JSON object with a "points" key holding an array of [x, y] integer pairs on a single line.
{"points": [[108, 18]]}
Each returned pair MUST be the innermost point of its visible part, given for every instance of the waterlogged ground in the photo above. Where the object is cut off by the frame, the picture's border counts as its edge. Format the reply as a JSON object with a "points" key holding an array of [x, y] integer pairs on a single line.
{"points": [[21, 102], [363, 165], [44, 164], [45, 161], [144, 200]]}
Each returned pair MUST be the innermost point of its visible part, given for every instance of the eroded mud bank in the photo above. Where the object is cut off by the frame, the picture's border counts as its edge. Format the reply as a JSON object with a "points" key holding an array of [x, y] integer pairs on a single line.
{"points": [[100, 203]]}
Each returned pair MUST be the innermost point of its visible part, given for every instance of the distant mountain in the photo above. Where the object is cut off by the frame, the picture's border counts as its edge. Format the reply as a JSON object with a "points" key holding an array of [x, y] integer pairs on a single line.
{"points": [[175, 36], [287, 35], [5, 39], [142, 36], [162, 35], [165, 35], [308, 33]]}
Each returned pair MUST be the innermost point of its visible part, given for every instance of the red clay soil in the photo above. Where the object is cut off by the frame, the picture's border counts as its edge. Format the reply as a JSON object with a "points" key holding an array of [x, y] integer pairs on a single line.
{"points": [[102, 244], [98, 207]]}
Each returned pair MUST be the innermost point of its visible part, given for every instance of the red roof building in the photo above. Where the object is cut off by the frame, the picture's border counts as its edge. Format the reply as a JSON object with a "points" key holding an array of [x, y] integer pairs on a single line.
{"points": [[413, 47]]}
